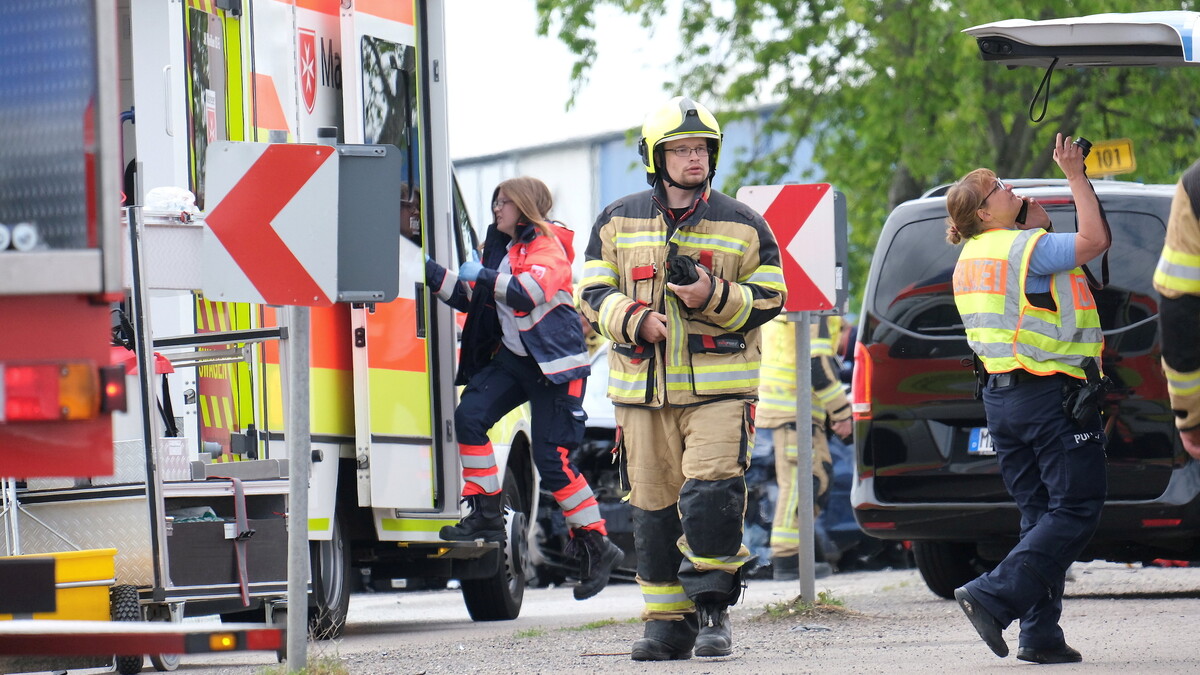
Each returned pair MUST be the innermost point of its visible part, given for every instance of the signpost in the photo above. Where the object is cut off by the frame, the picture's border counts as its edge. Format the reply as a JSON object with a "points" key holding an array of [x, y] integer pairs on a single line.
{"points": [[809, 222]]}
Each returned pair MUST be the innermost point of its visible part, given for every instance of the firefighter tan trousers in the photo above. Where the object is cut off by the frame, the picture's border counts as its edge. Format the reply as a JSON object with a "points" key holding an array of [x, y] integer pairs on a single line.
{"points": [[785, 530], [686, 472]]}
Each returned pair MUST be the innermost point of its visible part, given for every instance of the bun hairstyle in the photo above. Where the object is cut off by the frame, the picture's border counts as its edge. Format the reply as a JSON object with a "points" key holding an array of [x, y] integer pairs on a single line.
{"points": [[963, 202], [531, 197]]}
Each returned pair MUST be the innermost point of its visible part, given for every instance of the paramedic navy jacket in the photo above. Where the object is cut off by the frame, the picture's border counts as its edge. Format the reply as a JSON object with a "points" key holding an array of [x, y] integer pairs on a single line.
{"points": [[539, 291]]}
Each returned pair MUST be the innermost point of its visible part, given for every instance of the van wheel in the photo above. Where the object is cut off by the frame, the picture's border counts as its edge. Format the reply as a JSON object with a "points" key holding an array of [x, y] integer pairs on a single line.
{"points": [[498, 598], [946, 565], [330, 585]]}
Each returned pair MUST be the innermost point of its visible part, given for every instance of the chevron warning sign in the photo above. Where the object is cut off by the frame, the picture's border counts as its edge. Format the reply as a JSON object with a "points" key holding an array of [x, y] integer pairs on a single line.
{"points": [[271, 234], [803, 220]]}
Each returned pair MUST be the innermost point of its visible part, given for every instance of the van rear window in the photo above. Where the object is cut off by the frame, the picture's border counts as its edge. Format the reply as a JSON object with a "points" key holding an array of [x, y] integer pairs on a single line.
{"points": [[913, 289]]}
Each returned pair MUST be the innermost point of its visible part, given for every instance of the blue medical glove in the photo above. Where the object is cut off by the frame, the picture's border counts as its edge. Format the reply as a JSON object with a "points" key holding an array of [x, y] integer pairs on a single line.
{"points": [[469, 270]]}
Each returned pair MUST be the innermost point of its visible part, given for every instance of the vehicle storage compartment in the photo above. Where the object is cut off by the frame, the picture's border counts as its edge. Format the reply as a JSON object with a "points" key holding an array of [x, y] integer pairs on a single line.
{"points": [[203, 551]]}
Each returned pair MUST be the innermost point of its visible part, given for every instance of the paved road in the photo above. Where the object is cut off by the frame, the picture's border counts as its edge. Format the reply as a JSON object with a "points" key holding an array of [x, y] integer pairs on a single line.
{"points": [[1125, 619]]}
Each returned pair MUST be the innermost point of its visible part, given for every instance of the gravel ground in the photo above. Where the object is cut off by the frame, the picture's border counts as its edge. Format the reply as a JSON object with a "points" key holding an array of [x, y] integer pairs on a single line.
{"points": [[1123, 618]]}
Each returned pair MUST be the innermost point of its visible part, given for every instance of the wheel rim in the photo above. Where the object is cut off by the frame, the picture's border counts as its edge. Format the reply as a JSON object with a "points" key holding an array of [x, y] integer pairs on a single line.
{"points": [[329, 557], [516, 551]]}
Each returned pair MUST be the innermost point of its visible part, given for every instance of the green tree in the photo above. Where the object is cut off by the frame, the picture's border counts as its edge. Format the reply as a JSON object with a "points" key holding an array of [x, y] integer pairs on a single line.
{"points": [[894, 95]]}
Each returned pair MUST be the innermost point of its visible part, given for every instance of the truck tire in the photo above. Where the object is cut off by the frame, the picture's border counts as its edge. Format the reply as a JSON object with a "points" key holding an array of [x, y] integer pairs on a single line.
{"points": [[946, 565], [498, 598], [330, 562], [123, 601]]}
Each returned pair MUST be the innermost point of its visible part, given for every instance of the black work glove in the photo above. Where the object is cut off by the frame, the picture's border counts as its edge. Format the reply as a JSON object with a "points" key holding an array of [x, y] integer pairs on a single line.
{"points": [[681, 270]]}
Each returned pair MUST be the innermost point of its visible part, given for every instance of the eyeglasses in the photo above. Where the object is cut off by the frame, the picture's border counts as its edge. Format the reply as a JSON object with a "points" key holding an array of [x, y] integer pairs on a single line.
{"points": [[998, 186], [684, 153], [500, 203]]}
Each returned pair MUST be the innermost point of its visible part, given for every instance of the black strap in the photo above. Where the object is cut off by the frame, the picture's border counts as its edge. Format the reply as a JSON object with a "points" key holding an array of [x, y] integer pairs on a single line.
{"points": [[167, 411], [1097, 285], [1091, 368], [1045, 85]]}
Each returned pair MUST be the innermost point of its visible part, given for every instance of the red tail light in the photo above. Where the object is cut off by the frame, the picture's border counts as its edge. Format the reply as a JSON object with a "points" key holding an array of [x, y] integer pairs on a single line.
{"points": [[42, 392], [860, 383]]}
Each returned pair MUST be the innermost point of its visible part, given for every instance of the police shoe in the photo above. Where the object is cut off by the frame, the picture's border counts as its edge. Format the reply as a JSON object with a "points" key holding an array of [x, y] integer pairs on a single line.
{"points": [[716, 635], [986, 625], [666, 640], [1063, 654]]}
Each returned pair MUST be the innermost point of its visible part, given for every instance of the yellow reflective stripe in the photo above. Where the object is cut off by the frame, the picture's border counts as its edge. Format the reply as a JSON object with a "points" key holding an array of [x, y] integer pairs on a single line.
{"points": [[743, 314], [1178, 271], [665, 598], [1182, 384], [640, 239], [318, 524], [716, 242]]}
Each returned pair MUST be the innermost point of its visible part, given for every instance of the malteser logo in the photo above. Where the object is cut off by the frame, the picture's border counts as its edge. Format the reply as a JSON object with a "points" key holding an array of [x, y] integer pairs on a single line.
{"points": [[308, 67]]}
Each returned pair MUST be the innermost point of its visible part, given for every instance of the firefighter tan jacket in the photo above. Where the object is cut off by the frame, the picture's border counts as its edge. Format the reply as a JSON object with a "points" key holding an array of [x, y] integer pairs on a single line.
{"points": [[777, 391], [711, 351], [1177, 278]]}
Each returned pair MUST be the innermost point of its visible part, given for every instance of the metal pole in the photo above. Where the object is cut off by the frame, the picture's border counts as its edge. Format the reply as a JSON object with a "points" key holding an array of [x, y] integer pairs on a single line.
{"points": [[296, 434], [803, 478]]}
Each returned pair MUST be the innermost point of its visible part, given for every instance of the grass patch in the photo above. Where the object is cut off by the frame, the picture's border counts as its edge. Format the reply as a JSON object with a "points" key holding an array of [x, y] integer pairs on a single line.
{"points": [[826, 605], [321, 665], [530, 633], [592, 625]]}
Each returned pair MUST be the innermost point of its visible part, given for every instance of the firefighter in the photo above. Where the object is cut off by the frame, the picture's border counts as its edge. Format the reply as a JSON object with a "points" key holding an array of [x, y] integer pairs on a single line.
{"points": [[1031, 319], [522, 341], [777, 413], [679, 278], [1177, 278]]}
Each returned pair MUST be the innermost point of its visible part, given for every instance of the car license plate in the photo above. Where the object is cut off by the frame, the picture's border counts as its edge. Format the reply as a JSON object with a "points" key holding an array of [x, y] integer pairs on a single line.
{"points": [[981, 442]]}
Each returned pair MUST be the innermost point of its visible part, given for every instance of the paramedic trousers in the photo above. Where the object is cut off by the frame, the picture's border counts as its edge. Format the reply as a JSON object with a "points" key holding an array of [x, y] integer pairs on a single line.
{"points": [[1055, 471], [686, 471], [556, 425]]}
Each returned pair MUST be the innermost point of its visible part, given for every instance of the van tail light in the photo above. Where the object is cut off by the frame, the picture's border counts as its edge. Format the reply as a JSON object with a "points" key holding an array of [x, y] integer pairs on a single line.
{"points": [[860, 383], [67, 390]]}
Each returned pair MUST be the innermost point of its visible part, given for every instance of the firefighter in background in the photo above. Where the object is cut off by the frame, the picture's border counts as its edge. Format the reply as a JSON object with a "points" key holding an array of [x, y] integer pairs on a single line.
{"points": [[777, 415], [1177, 278], [680, 277], [522, 341]]}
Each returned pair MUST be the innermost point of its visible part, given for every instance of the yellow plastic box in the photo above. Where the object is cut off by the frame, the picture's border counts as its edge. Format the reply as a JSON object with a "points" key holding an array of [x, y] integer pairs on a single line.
{"points": [[82, 579]]}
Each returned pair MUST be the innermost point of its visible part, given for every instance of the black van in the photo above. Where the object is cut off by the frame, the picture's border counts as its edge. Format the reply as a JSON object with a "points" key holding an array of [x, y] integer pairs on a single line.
{"points": [[926, 471]]}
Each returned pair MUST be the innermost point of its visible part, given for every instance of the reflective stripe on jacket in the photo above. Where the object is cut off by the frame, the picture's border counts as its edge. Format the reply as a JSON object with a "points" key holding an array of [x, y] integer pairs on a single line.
{"points": [[1004, 328], [709, 351], [777, 392], [1177, 278]]}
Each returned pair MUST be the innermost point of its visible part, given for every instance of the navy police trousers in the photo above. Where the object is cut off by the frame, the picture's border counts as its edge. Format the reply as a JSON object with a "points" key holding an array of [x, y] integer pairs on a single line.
{"points": [[1055, 471]]}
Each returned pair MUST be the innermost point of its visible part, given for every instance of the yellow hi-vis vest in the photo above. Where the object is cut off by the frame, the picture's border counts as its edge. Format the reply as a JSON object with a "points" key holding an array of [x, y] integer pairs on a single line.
{"points": [[1004, 328]]}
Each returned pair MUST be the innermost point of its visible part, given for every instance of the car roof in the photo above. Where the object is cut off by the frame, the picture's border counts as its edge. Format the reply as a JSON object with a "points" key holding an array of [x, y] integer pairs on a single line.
{"points": [[1167, 38]]}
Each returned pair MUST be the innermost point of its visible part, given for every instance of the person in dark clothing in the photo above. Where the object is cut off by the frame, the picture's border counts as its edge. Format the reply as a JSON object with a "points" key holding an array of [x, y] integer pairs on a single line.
{"points": [[523, 341]]}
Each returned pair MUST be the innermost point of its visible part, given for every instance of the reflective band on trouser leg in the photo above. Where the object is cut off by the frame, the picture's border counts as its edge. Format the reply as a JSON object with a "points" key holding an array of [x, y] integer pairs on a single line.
{"points": [[725, 563], [664, 602], [479, 469], [579, 506], [785, 527]]}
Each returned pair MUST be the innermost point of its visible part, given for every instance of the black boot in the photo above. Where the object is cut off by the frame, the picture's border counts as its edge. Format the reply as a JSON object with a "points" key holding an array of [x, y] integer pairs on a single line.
{"points": [[485, 522], [787, 568], [597, 557], [716, 635], [666, 640]]}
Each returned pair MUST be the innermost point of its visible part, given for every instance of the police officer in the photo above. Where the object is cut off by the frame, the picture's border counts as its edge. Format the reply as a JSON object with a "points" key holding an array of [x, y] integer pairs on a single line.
{"points": [[679, 277], [1031, 319], [1177, 278]]}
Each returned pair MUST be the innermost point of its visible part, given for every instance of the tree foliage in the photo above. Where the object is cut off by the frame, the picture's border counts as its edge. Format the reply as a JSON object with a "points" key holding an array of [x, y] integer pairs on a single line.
{"points": [[895, 97]]}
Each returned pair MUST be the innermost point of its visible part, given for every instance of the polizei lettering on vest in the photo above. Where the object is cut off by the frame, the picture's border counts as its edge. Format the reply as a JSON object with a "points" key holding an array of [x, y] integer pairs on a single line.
{"points": [[980, 275]]}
